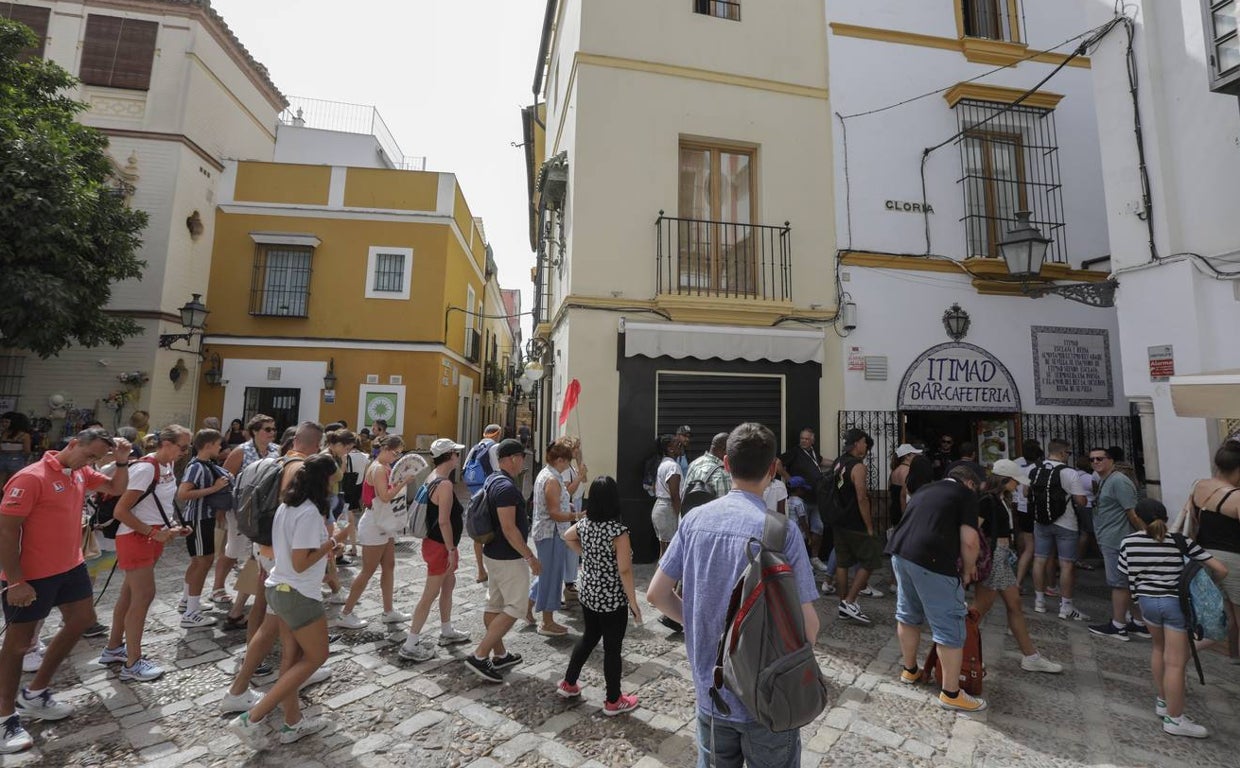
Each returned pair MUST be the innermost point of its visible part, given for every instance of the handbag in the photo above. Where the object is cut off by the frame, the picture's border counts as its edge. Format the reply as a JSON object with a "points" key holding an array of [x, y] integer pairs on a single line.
{"points": [[90, 545]]}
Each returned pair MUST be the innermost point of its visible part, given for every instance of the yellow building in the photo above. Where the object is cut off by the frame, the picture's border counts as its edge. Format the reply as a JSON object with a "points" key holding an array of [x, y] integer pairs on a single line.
{"points": [[349, 293]]}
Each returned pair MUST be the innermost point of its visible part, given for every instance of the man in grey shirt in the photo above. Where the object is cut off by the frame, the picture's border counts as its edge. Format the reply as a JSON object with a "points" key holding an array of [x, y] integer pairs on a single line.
{"points": [[1115, 516]]}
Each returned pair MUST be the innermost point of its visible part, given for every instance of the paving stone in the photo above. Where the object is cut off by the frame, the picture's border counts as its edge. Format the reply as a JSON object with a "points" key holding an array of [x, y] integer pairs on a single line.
{"points": [[419, 722], [349, 697]]}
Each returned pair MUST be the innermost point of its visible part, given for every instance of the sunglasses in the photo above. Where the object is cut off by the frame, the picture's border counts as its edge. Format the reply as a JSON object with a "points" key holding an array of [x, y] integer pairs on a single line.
{"points": [[1096, 459]]}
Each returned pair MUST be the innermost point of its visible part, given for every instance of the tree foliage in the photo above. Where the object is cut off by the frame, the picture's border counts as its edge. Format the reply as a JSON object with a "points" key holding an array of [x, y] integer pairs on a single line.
{"points": [[65, 236]]}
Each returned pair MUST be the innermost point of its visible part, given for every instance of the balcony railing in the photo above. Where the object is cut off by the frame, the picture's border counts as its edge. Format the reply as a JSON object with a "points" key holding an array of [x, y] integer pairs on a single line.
{"points": [[724, 259]]}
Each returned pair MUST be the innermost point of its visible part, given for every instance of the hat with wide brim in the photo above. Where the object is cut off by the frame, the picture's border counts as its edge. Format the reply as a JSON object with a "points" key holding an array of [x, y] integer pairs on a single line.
{"points": [[1010, 469]]}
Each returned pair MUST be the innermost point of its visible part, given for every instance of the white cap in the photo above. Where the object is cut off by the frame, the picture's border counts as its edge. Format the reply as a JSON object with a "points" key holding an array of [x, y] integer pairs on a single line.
{"points": [[905, 449], [1009, 468], [445, 445]]}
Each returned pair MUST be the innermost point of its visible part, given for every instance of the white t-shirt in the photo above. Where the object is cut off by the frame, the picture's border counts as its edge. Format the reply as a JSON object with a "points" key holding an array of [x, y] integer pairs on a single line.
{"points": [[796, 508], [775, 493], [668, 469], [1070, 479], [140, 475], [299, 527]]}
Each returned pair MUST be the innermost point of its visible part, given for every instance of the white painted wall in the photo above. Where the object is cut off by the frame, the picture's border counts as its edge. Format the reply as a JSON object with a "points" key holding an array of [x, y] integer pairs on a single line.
{"points": [[314, 146], [1192, 147], [306, 376]]}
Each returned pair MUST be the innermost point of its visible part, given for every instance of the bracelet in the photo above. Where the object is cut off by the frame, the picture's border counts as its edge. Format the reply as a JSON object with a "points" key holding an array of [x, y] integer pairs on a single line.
{"points": [[122, 465]]}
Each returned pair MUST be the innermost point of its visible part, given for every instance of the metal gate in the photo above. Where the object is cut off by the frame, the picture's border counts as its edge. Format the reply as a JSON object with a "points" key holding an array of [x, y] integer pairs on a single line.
{"points": [[1086, 432], [884, 427]]}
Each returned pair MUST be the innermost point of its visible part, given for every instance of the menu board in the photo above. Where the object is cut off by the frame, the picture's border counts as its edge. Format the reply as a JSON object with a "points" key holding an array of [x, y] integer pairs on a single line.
{"points": [[994, 441]]}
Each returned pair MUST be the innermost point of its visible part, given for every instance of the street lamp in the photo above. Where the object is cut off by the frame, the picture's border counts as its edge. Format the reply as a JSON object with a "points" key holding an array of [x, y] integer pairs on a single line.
{"points": [[1024, 248], [956, 322], [194, 320], [329, 381]]}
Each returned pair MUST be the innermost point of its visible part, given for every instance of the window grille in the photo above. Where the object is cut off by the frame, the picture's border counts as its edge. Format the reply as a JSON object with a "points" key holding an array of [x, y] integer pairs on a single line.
{"points": [[281, 281], [991, 19], [1009, 162], [721, 9], [390, 272], [11, 367]]}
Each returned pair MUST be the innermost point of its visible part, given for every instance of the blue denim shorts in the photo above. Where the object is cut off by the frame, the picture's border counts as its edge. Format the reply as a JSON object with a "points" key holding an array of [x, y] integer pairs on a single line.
{"points": [[1110, 558], [925, 596], [1163, 612], [746, 744], [1057, 538]]}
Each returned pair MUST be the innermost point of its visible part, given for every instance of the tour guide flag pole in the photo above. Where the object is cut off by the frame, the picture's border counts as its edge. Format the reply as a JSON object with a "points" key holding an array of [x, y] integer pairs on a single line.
{"points": [[570, 400]]}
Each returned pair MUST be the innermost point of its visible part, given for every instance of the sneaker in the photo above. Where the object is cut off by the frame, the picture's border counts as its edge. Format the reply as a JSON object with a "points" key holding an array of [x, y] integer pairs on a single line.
{"points": [[818, 565], [871, 592], [221, 597], [963, 702], [1182, 726], [395, 616], [484, 669], [852, 611], [255, 734], [96, 630], [263, 670], [418, 652], [307, 726], [33, 660], [348, 621], [117, 655], [195, 620], [910, 678], [828, 588], [320, 675], [453, 637], [14, 738], [1160, 707], [235, 705], [336, 598], [671, 624], [626, 703], [1039, 604], [566, 691], [182, 604], [42, 707], [1139, 631], [1110, 630], [1068, 613], [143, 671], [506, 661], [1036, 663]]}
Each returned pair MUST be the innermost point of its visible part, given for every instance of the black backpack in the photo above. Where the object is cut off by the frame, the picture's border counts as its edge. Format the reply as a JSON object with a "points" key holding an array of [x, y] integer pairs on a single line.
{"points": [[698, 492], [836, 493], [1048, 501]]}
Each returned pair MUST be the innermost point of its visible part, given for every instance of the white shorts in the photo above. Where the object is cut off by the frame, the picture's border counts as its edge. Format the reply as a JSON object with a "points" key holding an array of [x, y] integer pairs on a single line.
{"points": [[236, 546], [664, 518], [371, 534]]}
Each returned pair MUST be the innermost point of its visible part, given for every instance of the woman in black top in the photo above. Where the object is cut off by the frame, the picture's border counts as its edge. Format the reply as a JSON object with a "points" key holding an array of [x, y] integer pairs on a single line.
{"points": [[444, 524], [997, 515], [1217, 500], [236, 433]]}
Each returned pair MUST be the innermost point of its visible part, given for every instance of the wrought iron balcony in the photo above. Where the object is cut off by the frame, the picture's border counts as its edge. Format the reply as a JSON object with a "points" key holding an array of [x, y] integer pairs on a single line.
{"points": [[724, 259]]}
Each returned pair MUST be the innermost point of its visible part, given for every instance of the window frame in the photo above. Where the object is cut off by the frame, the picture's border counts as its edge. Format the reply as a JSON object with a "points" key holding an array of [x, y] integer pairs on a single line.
{"points": [[1221, 81], [471, 300], [7, 11], [716, 281], [1009, 9], [372, 264], [719, 9], [141, 81], [261, 294], [991, 183]]}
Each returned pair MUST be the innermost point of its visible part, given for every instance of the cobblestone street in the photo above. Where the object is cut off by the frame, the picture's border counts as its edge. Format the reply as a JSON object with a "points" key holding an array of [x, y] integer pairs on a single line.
{"points": [[388, 712]]}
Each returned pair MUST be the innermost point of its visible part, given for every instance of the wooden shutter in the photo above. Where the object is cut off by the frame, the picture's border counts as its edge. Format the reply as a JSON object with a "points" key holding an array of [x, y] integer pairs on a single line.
{"points": [[33, 17], [118, 53]]}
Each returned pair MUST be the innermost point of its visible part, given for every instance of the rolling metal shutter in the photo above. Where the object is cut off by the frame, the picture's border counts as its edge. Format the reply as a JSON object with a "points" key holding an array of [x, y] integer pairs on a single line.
{"points": [[717, 403]]}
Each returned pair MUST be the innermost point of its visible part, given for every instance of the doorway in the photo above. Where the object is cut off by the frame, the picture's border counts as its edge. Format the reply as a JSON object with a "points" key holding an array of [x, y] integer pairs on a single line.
{"points": [[994, 435], [281, 403]]}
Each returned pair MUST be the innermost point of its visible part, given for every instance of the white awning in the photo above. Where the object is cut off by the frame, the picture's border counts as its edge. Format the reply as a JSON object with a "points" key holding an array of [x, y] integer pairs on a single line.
{"points": [[704, 342], [1207, 395]]}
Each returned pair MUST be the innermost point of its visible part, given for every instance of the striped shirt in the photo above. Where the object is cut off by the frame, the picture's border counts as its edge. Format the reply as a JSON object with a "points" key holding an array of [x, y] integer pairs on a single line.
{"points": [[1154, 567]]}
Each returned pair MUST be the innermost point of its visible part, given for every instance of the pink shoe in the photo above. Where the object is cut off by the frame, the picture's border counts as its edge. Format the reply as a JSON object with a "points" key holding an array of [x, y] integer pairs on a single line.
{"points": [[566, 691], [626, 703]]}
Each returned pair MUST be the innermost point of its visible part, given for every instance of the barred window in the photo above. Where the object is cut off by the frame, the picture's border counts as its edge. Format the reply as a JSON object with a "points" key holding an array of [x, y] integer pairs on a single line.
{"points": [[991, 19], [281, 281], [118, 53], [11, 368], [388, 272], [721, 9], [1009, 162]]}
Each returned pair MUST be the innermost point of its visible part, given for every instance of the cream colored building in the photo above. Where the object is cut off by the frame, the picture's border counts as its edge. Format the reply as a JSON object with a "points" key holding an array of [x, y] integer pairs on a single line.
{"points": [[177, 93], [681, 200]]}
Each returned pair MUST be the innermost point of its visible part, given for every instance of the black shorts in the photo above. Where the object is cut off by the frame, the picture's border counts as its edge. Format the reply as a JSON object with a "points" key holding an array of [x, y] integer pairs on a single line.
{"points": [[1025, 522], [68, 587], [201, 542]]}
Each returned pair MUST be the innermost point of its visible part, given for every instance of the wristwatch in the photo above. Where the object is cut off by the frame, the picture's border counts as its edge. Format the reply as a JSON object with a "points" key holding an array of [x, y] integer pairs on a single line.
{"points": [[123, 463]]}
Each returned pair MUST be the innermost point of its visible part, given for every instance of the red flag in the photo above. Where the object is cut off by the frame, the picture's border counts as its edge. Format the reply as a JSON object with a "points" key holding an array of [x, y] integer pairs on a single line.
{"points": [[570, 400]]}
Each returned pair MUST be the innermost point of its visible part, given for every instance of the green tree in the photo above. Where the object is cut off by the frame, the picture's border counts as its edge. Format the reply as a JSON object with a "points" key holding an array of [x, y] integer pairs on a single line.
{"points": [[65, 236]]}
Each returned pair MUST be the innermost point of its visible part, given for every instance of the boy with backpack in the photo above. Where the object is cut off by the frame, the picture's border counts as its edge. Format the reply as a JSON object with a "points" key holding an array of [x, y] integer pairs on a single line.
{"points": [[1054, 488], [206, 491], [709, 553], [481, 462]]}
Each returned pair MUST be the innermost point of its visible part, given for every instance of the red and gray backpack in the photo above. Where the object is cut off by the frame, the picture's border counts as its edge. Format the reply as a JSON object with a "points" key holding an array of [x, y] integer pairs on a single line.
{"points": [[764, 658]]}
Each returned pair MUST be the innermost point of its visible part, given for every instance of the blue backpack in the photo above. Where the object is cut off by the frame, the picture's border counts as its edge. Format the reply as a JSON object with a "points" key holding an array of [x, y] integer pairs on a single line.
{"points": [[474, 473], [1202, 602]]}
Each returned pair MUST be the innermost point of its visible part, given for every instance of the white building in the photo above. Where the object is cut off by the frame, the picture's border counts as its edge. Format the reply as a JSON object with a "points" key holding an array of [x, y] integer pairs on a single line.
{"points": [[686, 251], [1177, 252], [933, 162], [177, 94]]}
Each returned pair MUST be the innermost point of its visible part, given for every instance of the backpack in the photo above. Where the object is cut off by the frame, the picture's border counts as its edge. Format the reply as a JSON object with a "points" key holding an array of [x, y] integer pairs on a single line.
{"points": [[1048, 501], [836, 494], [763, 657], [474, 473], [650, 474], [698, 492], [221, 500], [418, 523], [257, 497], [1202, 602], [972, 668], [480, 522]]}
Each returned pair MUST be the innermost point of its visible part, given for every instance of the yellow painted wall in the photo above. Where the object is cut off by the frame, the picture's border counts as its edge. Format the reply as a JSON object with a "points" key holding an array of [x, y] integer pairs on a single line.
{"points": [[465, 222], [282, 183], [382, 188], [430, 407]]}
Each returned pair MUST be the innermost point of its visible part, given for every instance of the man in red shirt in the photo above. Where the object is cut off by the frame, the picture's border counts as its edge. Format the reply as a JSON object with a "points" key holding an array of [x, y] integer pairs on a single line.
{"points": [[41, 554]]}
